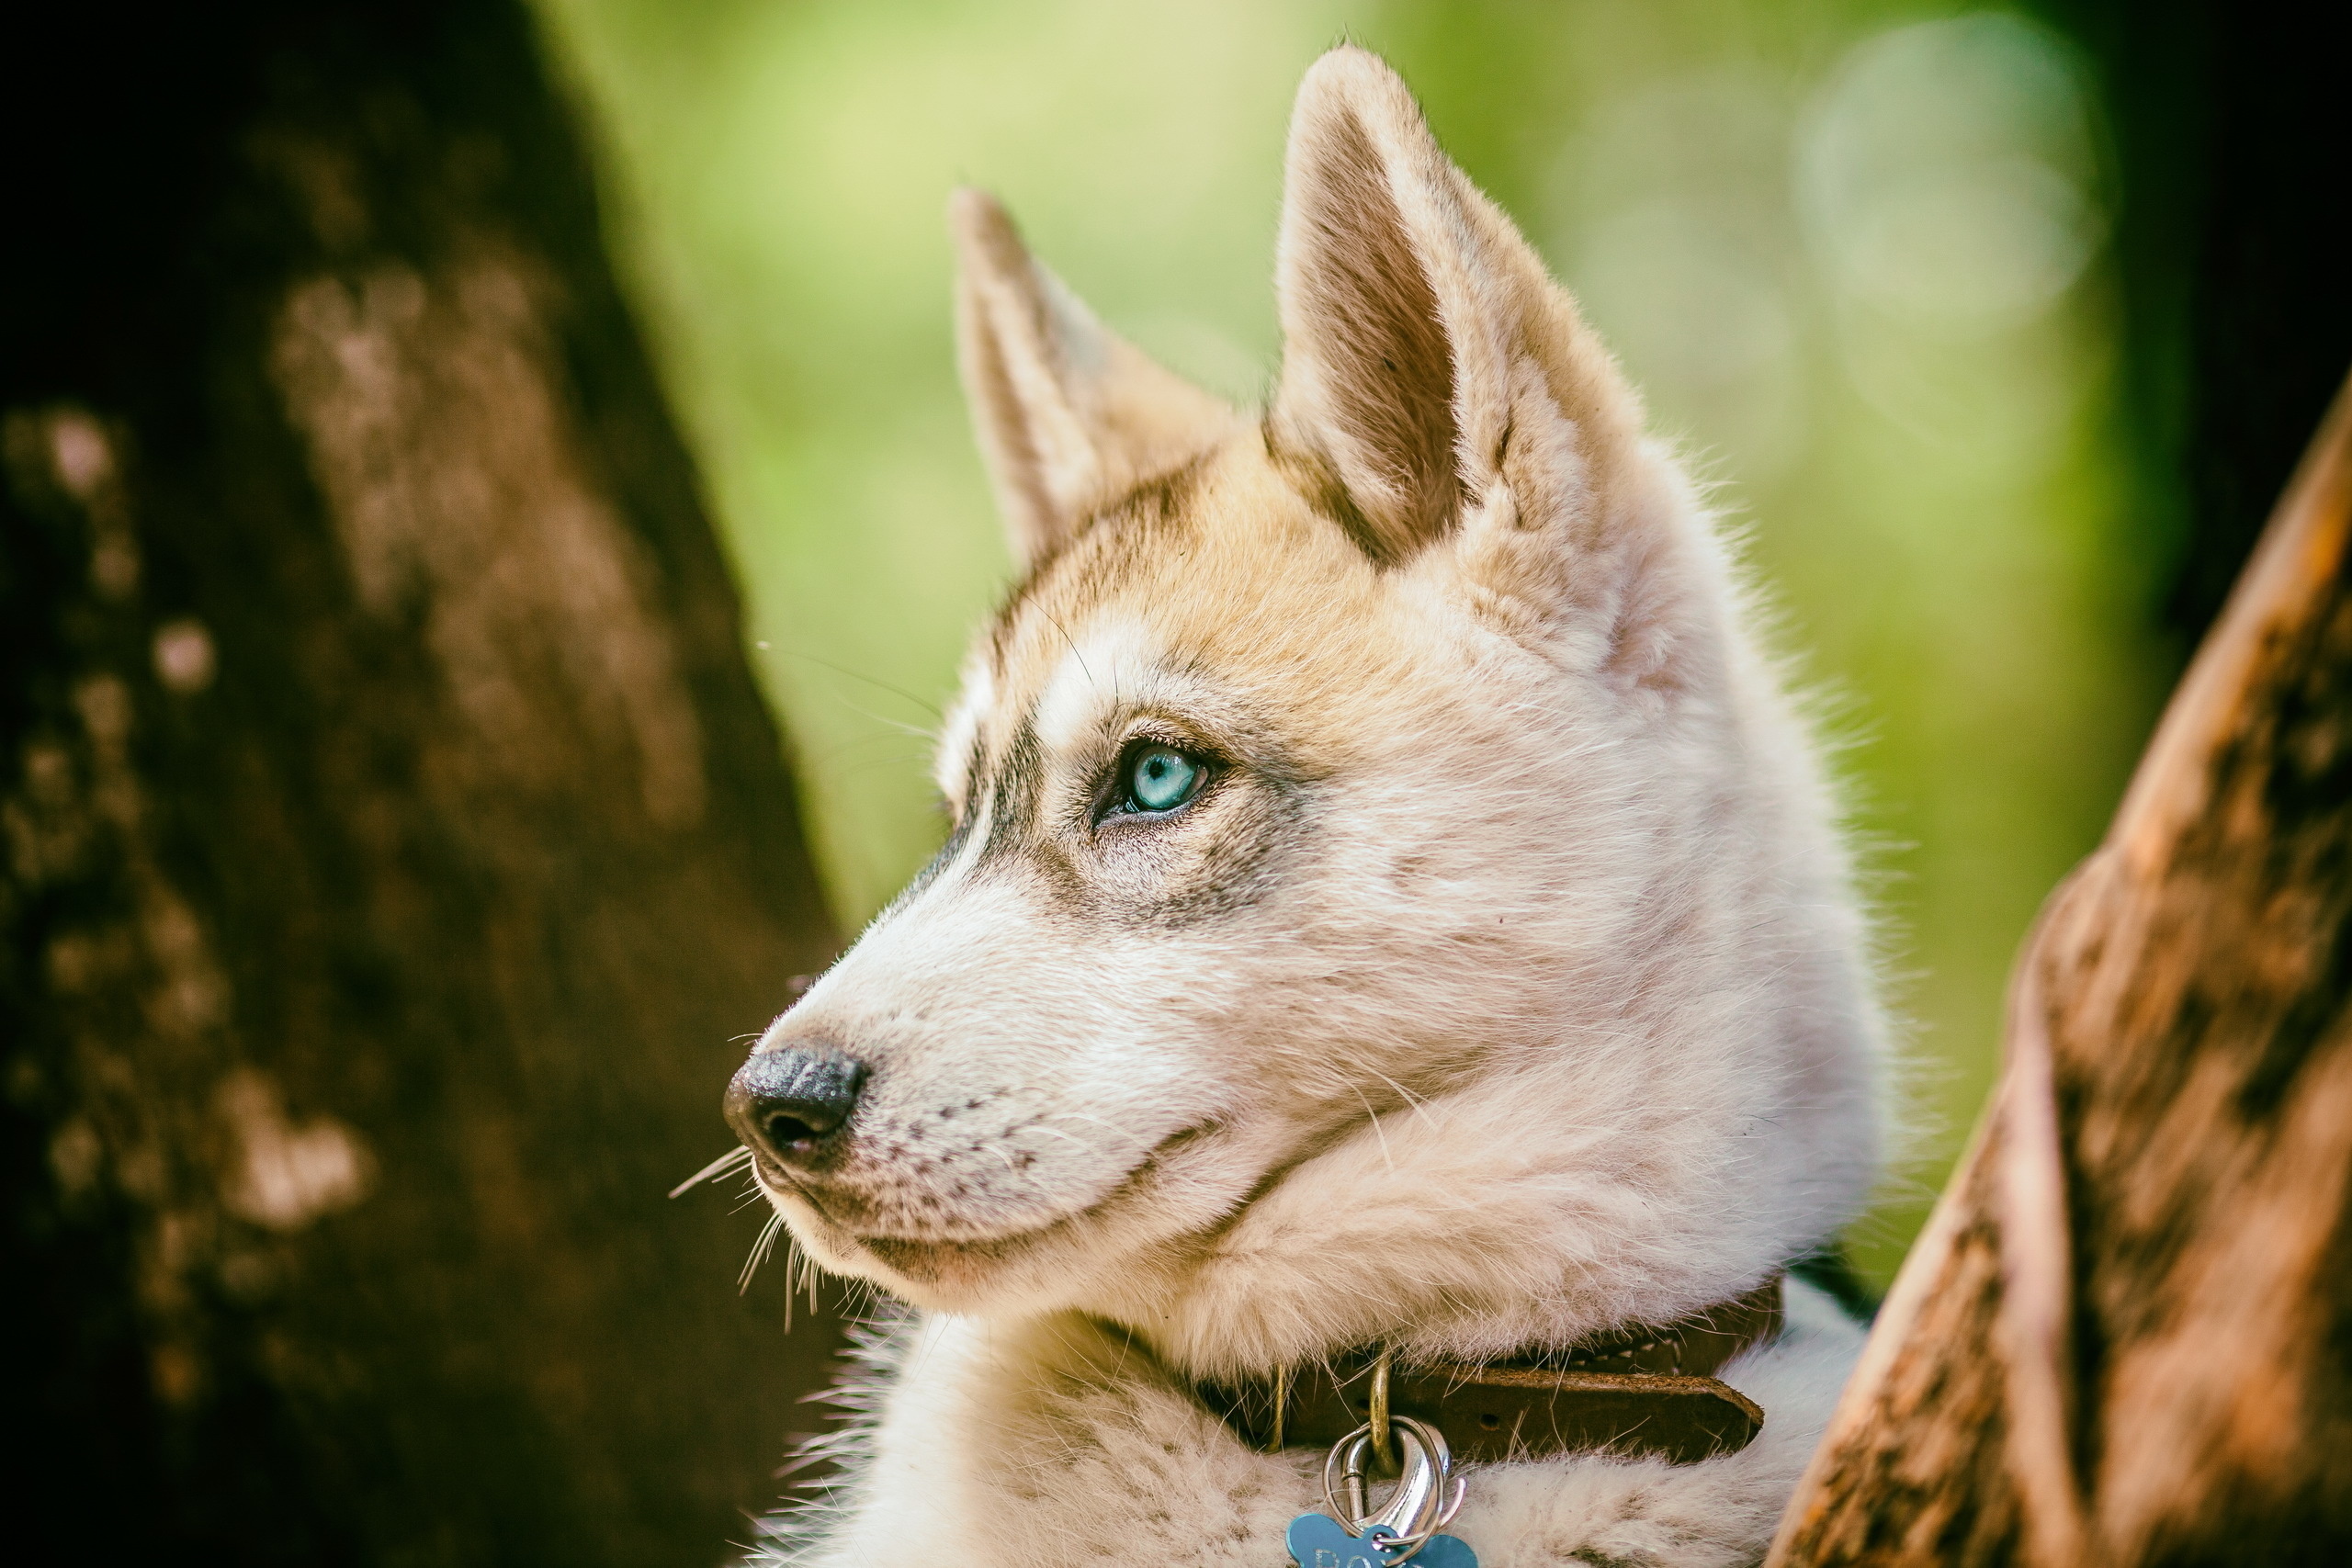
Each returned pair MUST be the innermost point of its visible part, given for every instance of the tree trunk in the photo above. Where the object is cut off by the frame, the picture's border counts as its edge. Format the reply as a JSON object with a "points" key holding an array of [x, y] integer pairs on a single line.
{"points": [[393, 841], [2222, 120], [2125, 1336]]}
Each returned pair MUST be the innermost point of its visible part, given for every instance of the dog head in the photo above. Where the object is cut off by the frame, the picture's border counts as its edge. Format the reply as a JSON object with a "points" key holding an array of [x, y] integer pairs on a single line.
{"points": [[1387, 895]]}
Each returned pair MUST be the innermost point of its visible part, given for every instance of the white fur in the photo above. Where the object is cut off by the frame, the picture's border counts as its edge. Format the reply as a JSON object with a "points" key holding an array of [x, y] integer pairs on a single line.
{"points": [[1505, 985], [1051, 1441]]}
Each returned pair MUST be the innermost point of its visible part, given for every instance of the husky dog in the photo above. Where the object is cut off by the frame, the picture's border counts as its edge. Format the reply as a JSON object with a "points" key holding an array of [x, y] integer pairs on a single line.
{"points": [[1389, 902]]}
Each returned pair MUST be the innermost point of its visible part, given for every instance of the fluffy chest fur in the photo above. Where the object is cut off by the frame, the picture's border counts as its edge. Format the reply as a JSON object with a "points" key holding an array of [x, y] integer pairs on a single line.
{"points": [[1057, 1442], [1389, 902]]}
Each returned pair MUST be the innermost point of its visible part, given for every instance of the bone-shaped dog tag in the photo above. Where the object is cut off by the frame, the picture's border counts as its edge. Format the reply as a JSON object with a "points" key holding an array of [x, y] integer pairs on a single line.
{"points": [[1318, 1541]]}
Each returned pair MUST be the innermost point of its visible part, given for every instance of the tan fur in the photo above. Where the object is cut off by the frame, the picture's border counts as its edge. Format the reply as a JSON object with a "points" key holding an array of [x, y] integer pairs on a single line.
{"points": [[1069, 414], [1506, 983]]}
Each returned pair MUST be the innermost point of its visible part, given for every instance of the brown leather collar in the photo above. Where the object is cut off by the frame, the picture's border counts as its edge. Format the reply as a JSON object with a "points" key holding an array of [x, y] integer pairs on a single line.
{"points": [[1635, 1390]]}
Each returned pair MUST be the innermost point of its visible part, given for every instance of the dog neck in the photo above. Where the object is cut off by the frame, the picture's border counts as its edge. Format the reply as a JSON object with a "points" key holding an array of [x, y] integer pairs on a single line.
{"points": [[1541, 1241]]}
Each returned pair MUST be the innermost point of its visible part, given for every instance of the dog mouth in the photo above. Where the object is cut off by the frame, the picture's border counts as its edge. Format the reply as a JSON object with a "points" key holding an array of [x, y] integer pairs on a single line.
{"points": [[901, 1246]]}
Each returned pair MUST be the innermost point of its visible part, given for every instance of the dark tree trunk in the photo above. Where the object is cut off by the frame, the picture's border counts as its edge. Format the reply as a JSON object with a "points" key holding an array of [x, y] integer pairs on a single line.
{"points": [[2125, 1337], [2231, 147], [394, 840]]}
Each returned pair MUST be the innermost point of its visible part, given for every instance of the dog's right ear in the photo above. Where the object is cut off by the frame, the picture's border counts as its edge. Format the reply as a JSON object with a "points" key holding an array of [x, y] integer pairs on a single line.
{"points": [[1071, 416]]}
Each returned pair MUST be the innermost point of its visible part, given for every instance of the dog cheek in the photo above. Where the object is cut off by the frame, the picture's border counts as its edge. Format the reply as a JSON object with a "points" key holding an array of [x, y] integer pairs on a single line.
{"points": [[1239, 853]]}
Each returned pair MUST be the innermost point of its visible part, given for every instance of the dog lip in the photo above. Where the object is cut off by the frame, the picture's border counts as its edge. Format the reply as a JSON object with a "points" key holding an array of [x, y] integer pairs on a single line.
{"points": [[1134, 1174], [775, 1184]]}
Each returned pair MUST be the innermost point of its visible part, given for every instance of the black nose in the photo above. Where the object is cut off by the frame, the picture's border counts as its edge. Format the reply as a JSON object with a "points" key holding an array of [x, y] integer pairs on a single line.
{"points": [[789, 1103]]}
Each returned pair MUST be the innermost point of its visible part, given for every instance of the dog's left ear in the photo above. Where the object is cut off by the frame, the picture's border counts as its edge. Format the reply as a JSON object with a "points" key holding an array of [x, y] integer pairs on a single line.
{"points": [[1071, 416], [1437, 385]]}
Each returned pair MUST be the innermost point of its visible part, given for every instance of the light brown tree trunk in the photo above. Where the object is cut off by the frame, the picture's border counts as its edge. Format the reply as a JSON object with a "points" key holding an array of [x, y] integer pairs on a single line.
{"points": [[395, 842], [2125, 1336]]}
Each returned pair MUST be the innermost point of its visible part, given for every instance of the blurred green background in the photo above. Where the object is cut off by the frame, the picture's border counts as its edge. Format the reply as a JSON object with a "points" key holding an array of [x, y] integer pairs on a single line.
{"points": [[1855, 253]]}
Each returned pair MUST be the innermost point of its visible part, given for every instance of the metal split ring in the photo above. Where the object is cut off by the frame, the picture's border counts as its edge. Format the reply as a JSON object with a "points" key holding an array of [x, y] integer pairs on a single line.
{"points": [[1426, 1494]]}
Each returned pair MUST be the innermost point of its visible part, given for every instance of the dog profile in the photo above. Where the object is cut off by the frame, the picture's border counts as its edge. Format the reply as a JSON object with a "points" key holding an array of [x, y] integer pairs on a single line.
{"points": [[1390, 902]]}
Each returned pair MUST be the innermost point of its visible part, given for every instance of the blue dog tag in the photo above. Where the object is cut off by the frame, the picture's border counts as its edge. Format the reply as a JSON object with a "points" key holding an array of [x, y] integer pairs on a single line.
{"points": [[1318, 1541]]}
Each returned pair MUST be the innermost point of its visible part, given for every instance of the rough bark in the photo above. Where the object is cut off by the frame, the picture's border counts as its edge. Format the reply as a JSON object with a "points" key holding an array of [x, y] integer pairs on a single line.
{"points": [[2126, 1336], [391, 836]]}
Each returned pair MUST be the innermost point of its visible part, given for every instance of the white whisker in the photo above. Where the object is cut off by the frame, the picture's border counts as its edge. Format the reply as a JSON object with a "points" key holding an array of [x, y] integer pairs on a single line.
{"points": [[738, 1155], [759, 1252], [1386, 1158]]}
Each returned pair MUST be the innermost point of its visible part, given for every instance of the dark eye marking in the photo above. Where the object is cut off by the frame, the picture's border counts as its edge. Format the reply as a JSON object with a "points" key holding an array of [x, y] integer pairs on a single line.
{"points": [[975, 762]]}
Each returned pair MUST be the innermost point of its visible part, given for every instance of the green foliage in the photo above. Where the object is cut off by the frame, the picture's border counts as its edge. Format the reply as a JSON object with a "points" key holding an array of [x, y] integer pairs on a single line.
{"points": [[1853, 252]]}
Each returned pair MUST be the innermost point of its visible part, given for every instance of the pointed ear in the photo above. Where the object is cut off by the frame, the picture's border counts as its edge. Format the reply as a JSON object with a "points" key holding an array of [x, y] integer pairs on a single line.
{"points": [[1070, 415], [1424, 345]]}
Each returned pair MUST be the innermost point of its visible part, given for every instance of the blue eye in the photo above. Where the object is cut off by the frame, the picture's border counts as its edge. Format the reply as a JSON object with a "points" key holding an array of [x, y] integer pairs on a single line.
{"points": [[1160, 778]]}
